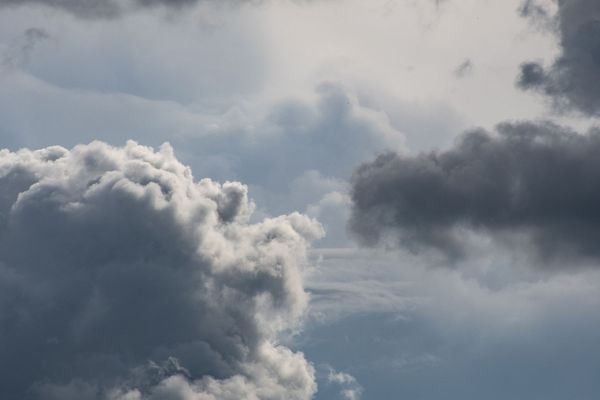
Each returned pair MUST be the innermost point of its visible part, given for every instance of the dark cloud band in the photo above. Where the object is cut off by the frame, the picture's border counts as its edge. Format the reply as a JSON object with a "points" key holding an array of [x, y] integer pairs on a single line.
{"points": [[539, 180], [103, 8]]}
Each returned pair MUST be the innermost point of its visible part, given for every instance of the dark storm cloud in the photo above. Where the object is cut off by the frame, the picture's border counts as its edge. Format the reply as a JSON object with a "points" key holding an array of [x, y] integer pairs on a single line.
{"points": [[538, 182], [573, 80], [103, 8], [122, 278]]}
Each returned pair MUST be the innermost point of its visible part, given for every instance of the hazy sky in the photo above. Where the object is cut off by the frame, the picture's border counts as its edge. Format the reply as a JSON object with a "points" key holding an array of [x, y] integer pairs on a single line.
{"points": [[297, 199]]}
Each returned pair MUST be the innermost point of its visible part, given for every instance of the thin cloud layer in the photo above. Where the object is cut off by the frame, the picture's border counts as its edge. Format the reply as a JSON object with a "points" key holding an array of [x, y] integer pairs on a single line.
{"points": [[121, 277], [532, 183], [101, 8], [573, 80]]}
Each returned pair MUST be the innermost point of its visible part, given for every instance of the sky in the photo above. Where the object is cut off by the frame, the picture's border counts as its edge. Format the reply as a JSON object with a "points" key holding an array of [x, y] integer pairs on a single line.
{"points": [[299, 199]]}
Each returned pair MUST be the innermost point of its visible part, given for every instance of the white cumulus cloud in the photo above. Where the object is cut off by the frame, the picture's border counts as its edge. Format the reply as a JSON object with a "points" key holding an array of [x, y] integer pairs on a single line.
{"points": [[123, 277]]}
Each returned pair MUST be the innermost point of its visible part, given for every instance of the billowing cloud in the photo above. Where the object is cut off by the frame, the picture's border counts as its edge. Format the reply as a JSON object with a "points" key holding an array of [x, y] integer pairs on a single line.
{"points": [[573, 80], [335, 122], [121, 277], [535, 184]]}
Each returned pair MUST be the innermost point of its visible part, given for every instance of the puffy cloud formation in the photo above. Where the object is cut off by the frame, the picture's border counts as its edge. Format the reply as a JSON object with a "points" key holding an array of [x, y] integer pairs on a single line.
{"points": [[351, 389], [573, 80], [533, 184], [121, 277], [303, 136]]}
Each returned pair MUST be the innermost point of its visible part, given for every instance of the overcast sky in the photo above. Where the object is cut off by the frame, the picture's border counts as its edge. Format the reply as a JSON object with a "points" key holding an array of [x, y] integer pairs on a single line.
{"points": [[298, 199]]}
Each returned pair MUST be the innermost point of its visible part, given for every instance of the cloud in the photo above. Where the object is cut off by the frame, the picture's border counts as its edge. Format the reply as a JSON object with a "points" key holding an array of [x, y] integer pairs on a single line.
{"points": [[330, 134], [336, 385], [537, 10], [351, 389], [243, 141], [573, 79], [105, 8], [434, 333], [529, 183], [464, 69], [21, 50], [121, 277], [210, 76]]}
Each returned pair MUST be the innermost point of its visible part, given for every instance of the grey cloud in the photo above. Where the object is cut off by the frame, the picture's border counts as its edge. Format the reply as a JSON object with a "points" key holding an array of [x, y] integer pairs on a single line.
{"points": [[20, 51], [121, 277], [101, 8], [535, 9], [32, 36], [573, 80], [330, 136], [535, 182], [464, 69], [210, 77], [532, 75], [86, 8], [331, 133]]}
